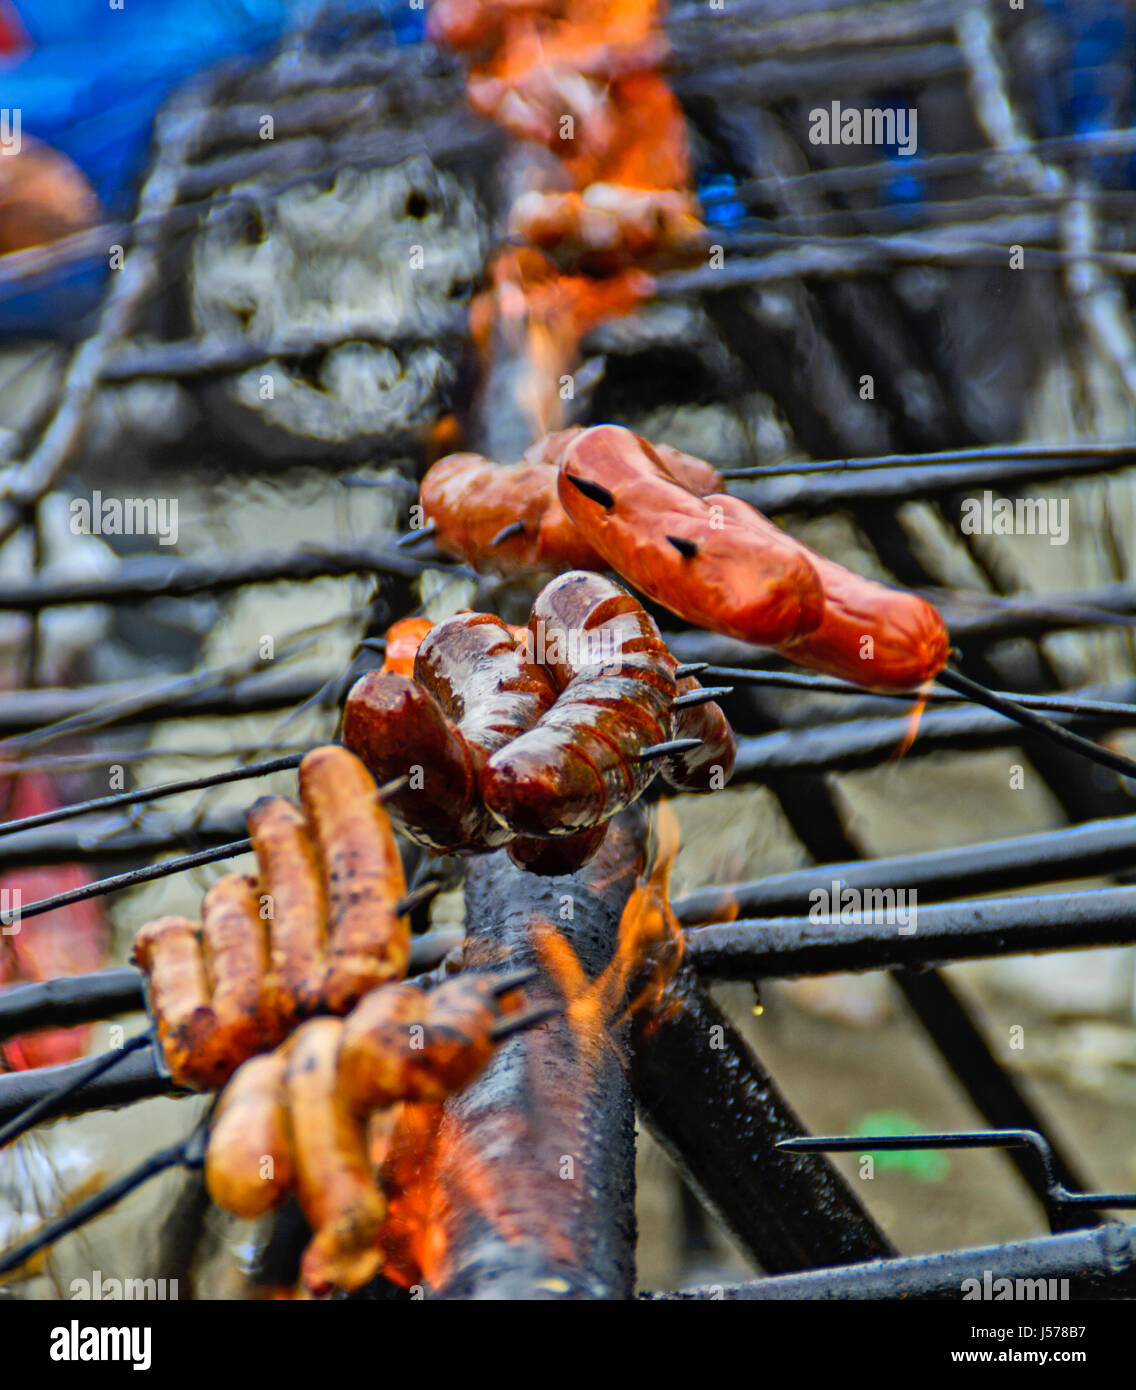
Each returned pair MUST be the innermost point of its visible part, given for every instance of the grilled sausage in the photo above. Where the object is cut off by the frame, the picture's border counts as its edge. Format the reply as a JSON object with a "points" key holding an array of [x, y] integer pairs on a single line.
{"points": [[235, 938], [334, 1185], [398, 729], [400, 1047], [295, 904], [579, 765], [248, 1163], [169, 951], [693, 555], [362, 876]]}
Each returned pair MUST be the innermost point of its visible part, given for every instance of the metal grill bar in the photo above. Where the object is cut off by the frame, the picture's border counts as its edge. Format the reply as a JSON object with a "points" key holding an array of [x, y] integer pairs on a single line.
{"points": [[1098, 1264], [772, 947]]}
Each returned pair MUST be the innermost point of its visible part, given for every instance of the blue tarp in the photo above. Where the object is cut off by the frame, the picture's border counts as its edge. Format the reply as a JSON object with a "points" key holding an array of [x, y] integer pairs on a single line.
{"points": [[94, 80]]}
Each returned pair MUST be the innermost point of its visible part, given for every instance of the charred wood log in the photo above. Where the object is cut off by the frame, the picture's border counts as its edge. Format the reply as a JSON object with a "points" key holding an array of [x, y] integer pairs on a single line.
{"points": [[536, 1159]]}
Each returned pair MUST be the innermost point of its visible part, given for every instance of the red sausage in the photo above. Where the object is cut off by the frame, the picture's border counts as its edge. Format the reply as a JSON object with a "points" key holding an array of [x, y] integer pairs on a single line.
{"points": [[691, 554], [578, 765]]}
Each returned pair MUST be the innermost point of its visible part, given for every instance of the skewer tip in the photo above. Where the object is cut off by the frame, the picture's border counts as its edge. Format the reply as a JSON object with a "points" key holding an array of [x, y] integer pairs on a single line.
{"points": [[421, 533], [671, 746], [417, 898], [515, 979], [514, 528], [592, 491], [701, 697], [518, 1023]]}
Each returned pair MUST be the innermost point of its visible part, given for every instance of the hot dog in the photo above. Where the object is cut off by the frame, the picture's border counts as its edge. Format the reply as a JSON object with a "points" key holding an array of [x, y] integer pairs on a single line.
{"points": [[169, 951], [691, 554], [295, 906]]}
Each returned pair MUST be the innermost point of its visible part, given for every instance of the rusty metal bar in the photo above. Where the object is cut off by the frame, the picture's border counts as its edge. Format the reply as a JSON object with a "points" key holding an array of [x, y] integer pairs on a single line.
{"points": [[140, 578], [536, 1159], [719, 1115], [136, 1077], [854, 744]]}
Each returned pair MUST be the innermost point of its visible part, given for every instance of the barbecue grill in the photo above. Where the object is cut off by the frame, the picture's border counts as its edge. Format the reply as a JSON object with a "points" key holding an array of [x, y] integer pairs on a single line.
{"points": [[861, 358]]}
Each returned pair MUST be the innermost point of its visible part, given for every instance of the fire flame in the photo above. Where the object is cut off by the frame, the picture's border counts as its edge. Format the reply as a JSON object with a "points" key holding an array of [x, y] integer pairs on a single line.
{"points": [[648, 953], [913, 719], [405, 1140], [581, 78]]}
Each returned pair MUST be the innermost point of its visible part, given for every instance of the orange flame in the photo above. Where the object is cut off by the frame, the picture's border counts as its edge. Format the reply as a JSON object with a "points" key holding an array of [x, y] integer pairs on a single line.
{"points": [[913, 719], [582, 78], [648, 952], [403, 1144], [539, 316]]}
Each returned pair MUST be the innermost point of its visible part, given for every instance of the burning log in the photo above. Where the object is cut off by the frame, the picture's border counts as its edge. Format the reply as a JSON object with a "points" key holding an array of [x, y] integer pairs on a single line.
{"points": [[717, 1112], [535, 1160]]}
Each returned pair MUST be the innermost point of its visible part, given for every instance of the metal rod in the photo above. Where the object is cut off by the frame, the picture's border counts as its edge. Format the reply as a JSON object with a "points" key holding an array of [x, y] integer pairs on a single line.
{"points": [[93, 1206], [140, 795], [69, 1000], [779, 947], [1079, 851], [196, 357], [140, 578], [117, 839], [69, 1090], [851, 745], [1030, 719], [134, 877], [1030, 1139], [994, 1091], [813, 494], [1119, 453], [25, 712], [1100, 1263], [826, 685]]}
